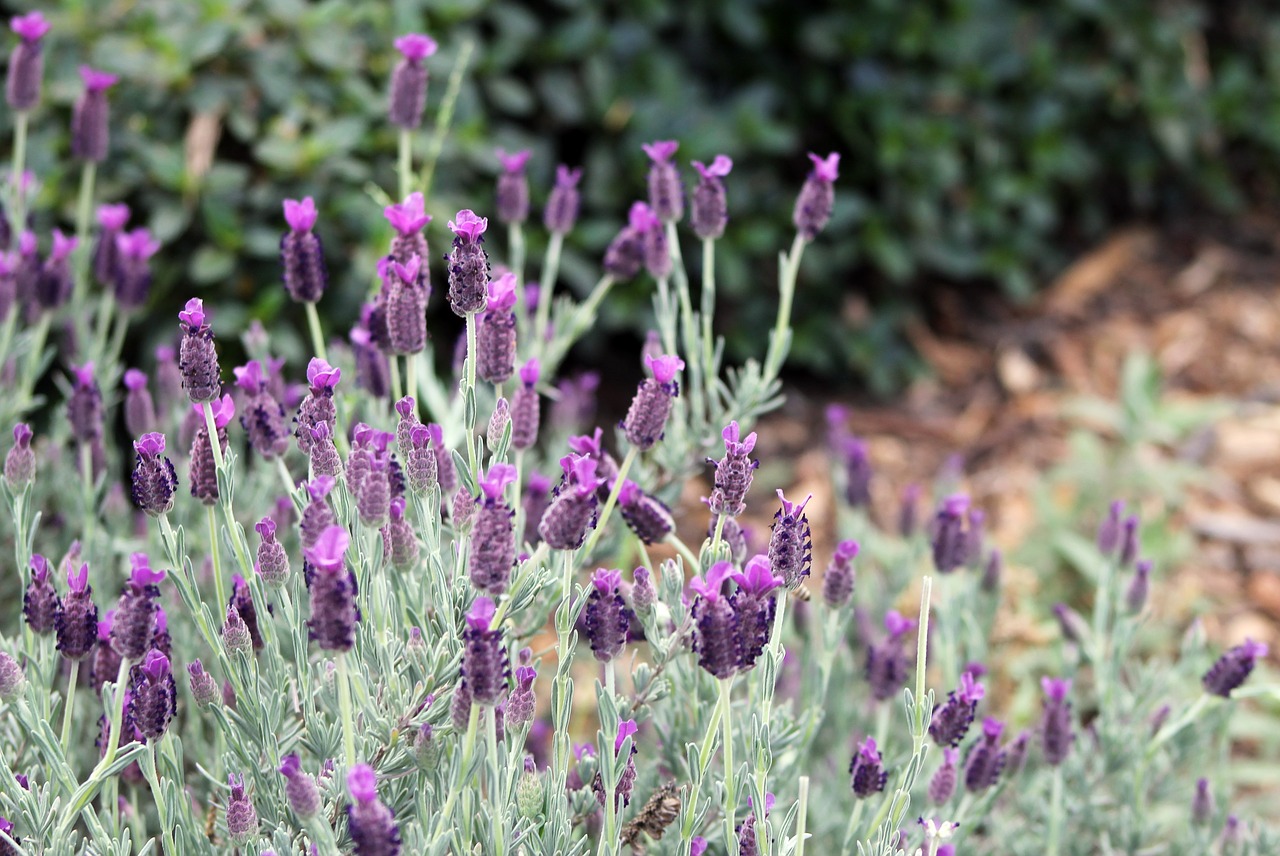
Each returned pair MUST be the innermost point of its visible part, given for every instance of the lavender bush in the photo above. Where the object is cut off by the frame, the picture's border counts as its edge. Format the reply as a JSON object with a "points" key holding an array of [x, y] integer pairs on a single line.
{"points": [[457, 629]]}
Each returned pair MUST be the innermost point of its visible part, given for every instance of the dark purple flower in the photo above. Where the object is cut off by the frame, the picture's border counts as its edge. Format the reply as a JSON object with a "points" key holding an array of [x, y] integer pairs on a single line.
{"points": [[1055, 725], [139, 409], [561, 212], [755, 607], [1128, 542], [154, 701], [20, 462], [748, 841], [301, 253], [952, 718], [318, 406], [90, 125], [242, 818], [484, 661], [134, 624], [1072, 625], [371, 824], [512, 201], [77, 619], [647, 516], [154, 481], [333, 593], [468, 264], [943, 783], [647, 416], [626, 782], [420, 460], [26, 63], [40, 602], [203, 474], [132, 282], [733, 473], [197, 356], [857, 472], [624, 256], [572, 512], [493, 544], [592, 446], [986, 759], [709, 212], [886, 661], [1135, 598], [496, 332], [605, 617], [300, 788], [791, 545], [817, 196], [666, 194], [106, 662], [866, 770], [654, 248], [406, 305], [318, 515], [408, 95], [992, 572], [242, 602], [717, 638], [408, 218], [1109, 531], [54, 284], [1233, 668], [1202, 807], [203, 687], [950, 537], [838, 581], [84, 405]]}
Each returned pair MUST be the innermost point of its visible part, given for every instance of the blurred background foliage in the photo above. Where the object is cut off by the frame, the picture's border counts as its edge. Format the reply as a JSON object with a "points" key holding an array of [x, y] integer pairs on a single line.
{"points": [[984, 142]]}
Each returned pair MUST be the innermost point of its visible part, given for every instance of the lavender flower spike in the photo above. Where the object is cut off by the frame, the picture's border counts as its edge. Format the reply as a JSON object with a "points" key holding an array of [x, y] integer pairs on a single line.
{"points": [[646, 515], [26, 63], [154, 701], [408, 96], [76, 622], [139, 408], [526, 407], [333, 594], [572, 513], [943, 783], [468, 264], [371, 824], [651, 405], [1233, 668], [154, 480], [987, 759], [710, 212], [561, 212], [301, 253], [300, 788], [866, 770], [20, 461], [817, 196], [838, 581], [886, 669], [40, 602], [90, 122], [493, 546], [791, 544], [242, 818], [131, 632], [665, 192], [952, 718], [624, 256], [512, 201], [606, 618], [717, 639], [496, 333], [733, 472], [950, 538], [1055, 726], [484, 662], [754, 607], [198, 359]]}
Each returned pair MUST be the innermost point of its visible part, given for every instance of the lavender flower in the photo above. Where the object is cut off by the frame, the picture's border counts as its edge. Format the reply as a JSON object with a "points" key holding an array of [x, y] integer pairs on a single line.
{"points": [[401, 540], [318, 406], [132, 629], [406, 305], [866, 771], [791, 545], [317, 516], [26, 63], [302, 254], [857, 472], [1135, 597], [20, 462], [943, 783], [420, 460], [496, 332], [493, 545], [986, 759], [733, 473], [624, 256], [838, 581], [643, 594], [203, 474], [1128, 542], [717, 638], [1233, 668], [468, 264], [950, 537], [512, 201], [1055, 725], [666, 195], [446, 472], [12, 681], [323, 458], [1109, 531], [647, 516], [300, 788], [373, 492], [76, 621], [40, 602], [90, 125], [408, 97], [484, 662], [572, 512], [197, 357], [755, 608], [952, 718], [242, 818], [371, 824], [748, 842], [154, 699], [154, 481], [626, 782], [407, 407], [408, 219], [499, 420], [561, 212], [204, 689], [992, 572], [654, 249], [886, 661], [709, 211], [242, 602], [1202, 807], [651, 405], [526, 407], [139, 409], [54, 285], [106, 252], [133, 276], [817, 196], [333, 592], [606, 618], [522, 703]]}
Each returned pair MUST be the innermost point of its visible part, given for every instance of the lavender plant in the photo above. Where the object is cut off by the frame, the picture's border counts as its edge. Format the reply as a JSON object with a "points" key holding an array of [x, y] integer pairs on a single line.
{"points": [[394, 666]]}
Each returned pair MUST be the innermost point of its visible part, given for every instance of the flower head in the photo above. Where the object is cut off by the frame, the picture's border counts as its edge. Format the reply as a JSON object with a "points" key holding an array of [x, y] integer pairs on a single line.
{"points": [[97, 81], [719, 167], [300, 215], [416, 47], [826, 169], [409, 216], [468, 225], [514, 162]]}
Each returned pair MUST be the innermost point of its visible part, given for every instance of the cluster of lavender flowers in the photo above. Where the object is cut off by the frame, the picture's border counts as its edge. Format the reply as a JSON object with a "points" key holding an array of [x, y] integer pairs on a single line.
{"points": [[390, 663]]}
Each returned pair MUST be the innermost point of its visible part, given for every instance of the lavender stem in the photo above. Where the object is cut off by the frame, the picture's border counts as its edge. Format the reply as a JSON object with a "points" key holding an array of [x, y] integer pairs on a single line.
{"points": [[609, 503], [730, 792], [219, 589], [69, 704], [344, 705], [802, 815], [550, 269], [317, 335]]}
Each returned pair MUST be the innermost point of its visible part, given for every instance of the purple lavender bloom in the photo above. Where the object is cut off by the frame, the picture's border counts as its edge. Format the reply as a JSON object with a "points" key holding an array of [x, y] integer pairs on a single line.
{"points": [[373, 492], [717, 637], [300, 788], [154, 700], [950, 538], [198, 358], [302, 254], [468, 264], [493, 543], [26, 273], [817, 196], [318, 406], [420, 460], [943, 783], [1233, 668], [646, 515], [513, 187], [496, 332], [26, 63], [484, 661], [838, 581], [986, 759], [791, 544], [408, 219], [1128, 542], [755, 607], [90, 122], [20, 461], [323, 458], [406, 305], [242, 818], [651, 405], [408, 95], [54, 284], [536, 499], [106, 253], [709, 211], [407, 407], [263, 419], [154, 481], [1135, 597], [40, 602], [84, 405], [1055, 725], [561, 212], [446, 472], [572, 512], [371, 824], [857, 471], [952, 718], [605, 617], [12, 680], [886, 661], [106, 662], [748, 842], [203, 687], [134, 624], [76, 622], [866, 771], [401, 540], [526, 407], [627, 728], [592, 446], [1109, 531], [697, 846], [654, 248], [733, 472], [624, 256], [333, 593], [666, 194], [242, 602], [1202, 806], [498, 422], [522, 703], [139, 409], [317, 516], [132, 284], [203, 474]]}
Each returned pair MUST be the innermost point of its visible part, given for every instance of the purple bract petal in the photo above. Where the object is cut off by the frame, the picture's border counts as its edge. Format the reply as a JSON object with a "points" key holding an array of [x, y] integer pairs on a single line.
{"points": [[661, 150], [321, 375], [300, 215], [605, 580], [500, 475], [502, 293], [193, 315], [664, 368], [409, 216], [828, 168], [514, 163], [113, 216], [96, 81], [416, 46], [362, 783], [641, 217], [530, 371], [709, 586], [318, 488], [156, 665], [30, 27], [719, 168], [468, 225], [758, 578], [330, 549], [626, 728], [150, 444], [481, 614]]}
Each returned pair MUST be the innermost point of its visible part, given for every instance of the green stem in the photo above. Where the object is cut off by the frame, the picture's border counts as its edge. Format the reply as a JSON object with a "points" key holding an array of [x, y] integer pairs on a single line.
{"points": [[546, 291], [779, 340], [411, 376], [19, 166], [710, 375], [704, 759], [317, 333], [445, 117], [851, 830], [84, 209], [1055, 814], [34, 357], [69, 705], [802, 815], [730, 793], [397, 391], [151, 769], [219, 588], [406, 163], [683, 549], [90, 512], [716, 535], [344, 706], [472, 452], [499, 822], [609, 503], [515, 241]]}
